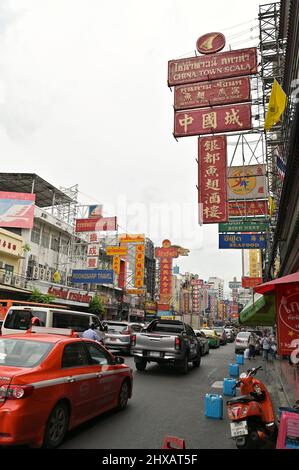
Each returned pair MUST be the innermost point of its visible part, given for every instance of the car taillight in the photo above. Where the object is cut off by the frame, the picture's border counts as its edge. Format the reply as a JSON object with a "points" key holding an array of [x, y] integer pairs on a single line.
{"points": [[125, 332], [15, 392], [133, 340], [177, 343]]}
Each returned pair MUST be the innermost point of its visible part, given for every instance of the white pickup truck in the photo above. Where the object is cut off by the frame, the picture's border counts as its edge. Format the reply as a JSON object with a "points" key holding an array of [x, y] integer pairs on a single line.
{"points": [[166, 341]]}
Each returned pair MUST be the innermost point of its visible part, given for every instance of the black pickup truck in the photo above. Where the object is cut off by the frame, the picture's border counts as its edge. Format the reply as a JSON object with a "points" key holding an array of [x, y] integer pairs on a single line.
{"points": [[166, 341]]}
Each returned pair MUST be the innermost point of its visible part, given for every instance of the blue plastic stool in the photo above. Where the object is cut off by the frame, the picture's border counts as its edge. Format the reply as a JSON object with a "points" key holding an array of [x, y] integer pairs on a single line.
{"points": [[229, 388], [240, 359], [213, 406], [234, 370]]}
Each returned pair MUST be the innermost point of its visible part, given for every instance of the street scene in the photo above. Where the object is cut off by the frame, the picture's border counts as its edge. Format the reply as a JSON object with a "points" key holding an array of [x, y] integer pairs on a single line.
{"points": [[149, 227]]}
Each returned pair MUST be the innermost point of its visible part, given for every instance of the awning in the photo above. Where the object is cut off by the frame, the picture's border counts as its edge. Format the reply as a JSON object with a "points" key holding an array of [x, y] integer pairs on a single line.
{"points": [[259, 312], [269, 286]]}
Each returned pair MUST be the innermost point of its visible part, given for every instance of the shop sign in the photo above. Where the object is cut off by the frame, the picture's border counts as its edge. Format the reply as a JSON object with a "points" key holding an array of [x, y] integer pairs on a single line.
{"points": [[247, 208], [212, 120], [210, 43], [212, 93], [249, 282], [96, 225], [243, 226], [287, 308], [212, 182], [16, 209], [248, 181], [242, 241], [220, 65], [92, 276], [116, 250]]}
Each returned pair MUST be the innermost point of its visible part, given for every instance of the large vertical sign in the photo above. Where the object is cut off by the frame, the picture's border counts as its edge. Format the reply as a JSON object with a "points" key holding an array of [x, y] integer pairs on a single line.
{"points": [[166, 254], [139, 266], [16, 209], [212, 184], [287, 308]]}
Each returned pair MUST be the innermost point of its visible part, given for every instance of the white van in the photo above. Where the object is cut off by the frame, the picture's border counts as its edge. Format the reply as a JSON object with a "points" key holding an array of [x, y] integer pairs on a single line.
{"points": [[19, 319]]}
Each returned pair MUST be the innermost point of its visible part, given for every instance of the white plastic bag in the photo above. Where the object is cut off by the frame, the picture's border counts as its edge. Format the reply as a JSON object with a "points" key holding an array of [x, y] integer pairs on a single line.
{"points": [[246, 353]]}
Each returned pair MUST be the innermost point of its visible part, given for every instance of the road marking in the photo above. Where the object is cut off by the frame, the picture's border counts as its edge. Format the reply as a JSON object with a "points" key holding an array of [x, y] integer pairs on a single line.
{"points": [[212, 372]]}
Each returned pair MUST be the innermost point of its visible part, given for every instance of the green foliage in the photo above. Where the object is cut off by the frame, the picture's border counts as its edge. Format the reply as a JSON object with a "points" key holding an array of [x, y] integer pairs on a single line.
{"points": [[37, 296], [26, 248], [96, 306]]}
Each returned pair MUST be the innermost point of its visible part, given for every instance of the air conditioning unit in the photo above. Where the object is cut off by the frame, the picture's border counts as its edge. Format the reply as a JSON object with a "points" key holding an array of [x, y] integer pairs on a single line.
{"points": [[7, 279], [41, 273], [33, 258], [2, 265], [48, 275], [17, 281], [35, 272]]}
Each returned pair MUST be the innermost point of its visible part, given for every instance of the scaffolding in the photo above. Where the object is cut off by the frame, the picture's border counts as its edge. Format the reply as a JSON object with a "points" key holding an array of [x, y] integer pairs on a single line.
{"points": [[272, 53]]}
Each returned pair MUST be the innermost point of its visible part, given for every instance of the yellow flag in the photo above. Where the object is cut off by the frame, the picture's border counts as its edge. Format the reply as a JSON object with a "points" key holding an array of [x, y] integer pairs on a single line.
{"points": [[272, 206], [277, 104]]}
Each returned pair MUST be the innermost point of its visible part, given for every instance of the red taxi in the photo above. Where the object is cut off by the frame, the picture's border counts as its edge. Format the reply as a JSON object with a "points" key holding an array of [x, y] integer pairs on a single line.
{"points": [[50, 383]]}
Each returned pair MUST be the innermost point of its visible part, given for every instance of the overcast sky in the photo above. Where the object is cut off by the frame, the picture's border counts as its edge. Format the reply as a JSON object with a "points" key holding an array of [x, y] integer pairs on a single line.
{"points": [[84, 100]]}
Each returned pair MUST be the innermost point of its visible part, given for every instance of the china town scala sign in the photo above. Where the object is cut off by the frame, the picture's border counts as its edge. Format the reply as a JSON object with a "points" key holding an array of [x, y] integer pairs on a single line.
{"points": [[215, 66]]}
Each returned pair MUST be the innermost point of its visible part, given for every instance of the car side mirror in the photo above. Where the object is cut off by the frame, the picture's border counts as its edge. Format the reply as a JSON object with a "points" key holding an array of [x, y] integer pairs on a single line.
{"points": [[119, 360]]}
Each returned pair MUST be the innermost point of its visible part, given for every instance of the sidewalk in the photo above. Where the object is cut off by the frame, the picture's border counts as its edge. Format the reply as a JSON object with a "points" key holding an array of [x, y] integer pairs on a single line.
{"points": [[289, 378]]}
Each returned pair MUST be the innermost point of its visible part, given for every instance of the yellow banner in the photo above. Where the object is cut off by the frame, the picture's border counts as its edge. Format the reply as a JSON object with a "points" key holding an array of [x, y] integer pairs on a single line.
{"points": [[135, 291], [277, 104], [116, 250], [116, 264], [255, 263], [138, 238]]}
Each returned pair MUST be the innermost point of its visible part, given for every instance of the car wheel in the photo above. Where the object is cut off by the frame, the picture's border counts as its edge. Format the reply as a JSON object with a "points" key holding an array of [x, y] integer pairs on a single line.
{"points": [[123, 396], [183, 365], [141, 365], [57, 426], [197, 361]]}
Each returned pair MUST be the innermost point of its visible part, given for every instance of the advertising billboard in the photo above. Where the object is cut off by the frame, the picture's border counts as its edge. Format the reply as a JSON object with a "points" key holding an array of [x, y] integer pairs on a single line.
{"points": [[212, 183], [125, 238], [116, 250], [247, 208], [249, 282], [16, 209], [212, 120], [221, 65], [96, 225], [95, 211], [248, 181], [243, 226], [212, 93], [242, 241], [94, 276]]}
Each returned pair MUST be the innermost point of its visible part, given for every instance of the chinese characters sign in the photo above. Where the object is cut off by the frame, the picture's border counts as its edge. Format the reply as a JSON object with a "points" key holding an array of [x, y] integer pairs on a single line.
{"points": [[212, 178], [287, 308], [247, 181], [224, 65], [166, 255], [212, 93], [16, 209], [96, 225], [249, 282], [244, 208], [116, 250], [242, 241], [212, 120], [139, 266]]}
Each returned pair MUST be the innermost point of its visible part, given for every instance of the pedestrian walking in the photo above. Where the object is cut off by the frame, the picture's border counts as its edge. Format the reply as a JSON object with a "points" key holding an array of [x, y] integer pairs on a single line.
{"points": [[251, 345], [266, 346], [273, 347]]}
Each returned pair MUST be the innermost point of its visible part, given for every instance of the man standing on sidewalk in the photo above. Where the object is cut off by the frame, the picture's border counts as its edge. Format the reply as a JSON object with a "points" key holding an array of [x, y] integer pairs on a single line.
{"points": [[251, 345], [265, 346]]}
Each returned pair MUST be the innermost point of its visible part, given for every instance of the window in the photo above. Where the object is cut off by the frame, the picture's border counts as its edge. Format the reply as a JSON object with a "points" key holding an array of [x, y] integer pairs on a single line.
{"points": [[98, 356], [45, 239], [167, 328], [136, 328], [20, 319], [117, 327], [22, 353], [74, 355], [189, 331], [35, 234], [70, 320], [55, 242], [8, 269]]}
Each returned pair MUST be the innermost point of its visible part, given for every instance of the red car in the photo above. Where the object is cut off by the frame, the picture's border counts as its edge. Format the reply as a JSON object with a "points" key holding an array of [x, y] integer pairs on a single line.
{"points": [[50, 383]]}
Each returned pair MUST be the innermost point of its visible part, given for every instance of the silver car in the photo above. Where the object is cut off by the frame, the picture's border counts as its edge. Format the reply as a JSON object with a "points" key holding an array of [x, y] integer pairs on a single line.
{"points": [[119, 335], [242, 341]]}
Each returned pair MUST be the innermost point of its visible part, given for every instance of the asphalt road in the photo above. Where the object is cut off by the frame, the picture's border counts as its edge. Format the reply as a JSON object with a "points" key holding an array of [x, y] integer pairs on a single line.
{"points": [[163, 403]]}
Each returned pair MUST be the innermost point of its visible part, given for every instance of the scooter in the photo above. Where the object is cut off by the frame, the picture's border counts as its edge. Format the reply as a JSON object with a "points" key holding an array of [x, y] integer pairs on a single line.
{"points": [[252, 417]]}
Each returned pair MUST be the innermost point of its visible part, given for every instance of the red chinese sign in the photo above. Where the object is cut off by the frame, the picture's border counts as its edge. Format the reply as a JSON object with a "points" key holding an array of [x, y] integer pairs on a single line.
{"points": [[210, 43], [96, 225], [224, 65], [248, 282], [212, 182], [244, 208], [287, 308], [166, 255], [212, 120], [212, 93]]}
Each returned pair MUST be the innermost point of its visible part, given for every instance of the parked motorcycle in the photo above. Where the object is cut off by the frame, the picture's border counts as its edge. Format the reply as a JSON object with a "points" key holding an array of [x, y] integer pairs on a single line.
{"points": [[252, 417]]}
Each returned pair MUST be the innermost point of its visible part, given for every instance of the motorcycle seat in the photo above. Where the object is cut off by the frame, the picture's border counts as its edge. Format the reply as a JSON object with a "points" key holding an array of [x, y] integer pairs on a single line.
{"points": [[240, 399]]}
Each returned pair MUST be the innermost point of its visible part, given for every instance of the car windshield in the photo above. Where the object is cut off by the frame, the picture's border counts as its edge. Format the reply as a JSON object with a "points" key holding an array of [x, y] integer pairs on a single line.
{"points": [[116, 327], [23, 353], [219, 330], [167, 328], [243, 335], [209, 332]]}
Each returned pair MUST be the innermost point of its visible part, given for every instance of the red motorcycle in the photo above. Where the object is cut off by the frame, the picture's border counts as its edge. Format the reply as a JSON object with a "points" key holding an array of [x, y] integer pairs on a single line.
{"points": [[251, 414]]}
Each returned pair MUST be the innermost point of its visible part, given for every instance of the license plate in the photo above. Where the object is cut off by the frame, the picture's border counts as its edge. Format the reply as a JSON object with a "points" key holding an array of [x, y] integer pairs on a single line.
{"points": [[154, 354], [239, 429]]}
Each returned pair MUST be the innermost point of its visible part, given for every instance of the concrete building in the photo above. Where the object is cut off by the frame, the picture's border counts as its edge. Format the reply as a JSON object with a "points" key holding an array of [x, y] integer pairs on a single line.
{"points": [[217, 284]]}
